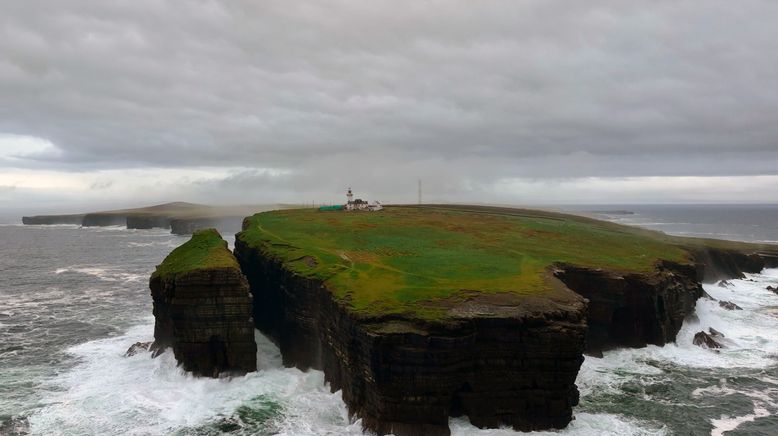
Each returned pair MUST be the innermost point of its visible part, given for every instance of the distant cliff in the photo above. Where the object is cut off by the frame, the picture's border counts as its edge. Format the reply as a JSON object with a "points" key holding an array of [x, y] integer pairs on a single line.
{"points": [[53, 219], [182, 218], [202, 308]]}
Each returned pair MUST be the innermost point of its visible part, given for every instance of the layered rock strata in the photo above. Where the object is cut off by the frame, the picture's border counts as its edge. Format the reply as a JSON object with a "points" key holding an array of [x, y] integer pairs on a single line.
{"points": [[720, 264], [103, 220], [497, 360], [203, 311], [147, 222], [634, 310], [187, 226], [53, 219]]}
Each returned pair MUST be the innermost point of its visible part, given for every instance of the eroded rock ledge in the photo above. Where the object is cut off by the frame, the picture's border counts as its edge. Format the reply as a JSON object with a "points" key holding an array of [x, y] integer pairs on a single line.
{"points": [[498, 361], [202, 308], [634, 310]]}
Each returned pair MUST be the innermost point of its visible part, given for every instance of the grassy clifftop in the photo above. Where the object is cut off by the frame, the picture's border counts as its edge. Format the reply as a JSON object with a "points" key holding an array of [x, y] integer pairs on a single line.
{"points": [[206, 249], [389, 261]]}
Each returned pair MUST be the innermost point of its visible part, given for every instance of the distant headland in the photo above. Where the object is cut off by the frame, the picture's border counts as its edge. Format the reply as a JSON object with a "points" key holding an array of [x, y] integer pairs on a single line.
{"points": [[180, 217]]}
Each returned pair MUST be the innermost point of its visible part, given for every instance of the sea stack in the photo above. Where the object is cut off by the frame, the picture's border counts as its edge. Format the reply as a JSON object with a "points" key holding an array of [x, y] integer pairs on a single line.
{"points": [[202, 308]]}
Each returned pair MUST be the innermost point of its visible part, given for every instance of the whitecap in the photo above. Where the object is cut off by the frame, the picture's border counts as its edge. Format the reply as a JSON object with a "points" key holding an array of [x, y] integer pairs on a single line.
{"points": [[584, 424]]}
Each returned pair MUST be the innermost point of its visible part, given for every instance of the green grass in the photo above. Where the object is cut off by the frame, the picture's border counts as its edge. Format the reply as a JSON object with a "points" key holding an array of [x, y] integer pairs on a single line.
{"points": [[390, 261], [206, 249]]}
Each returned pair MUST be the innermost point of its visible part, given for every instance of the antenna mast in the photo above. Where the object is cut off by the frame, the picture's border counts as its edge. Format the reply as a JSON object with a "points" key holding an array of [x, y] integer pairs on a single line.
{"points": [[419, 191]]}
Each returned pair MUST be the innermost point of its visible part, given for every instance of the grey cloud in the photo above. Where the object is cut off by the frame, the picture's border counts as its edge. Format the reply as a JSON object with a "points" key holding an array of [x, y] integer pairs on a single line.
{"points": [[375, 92]]}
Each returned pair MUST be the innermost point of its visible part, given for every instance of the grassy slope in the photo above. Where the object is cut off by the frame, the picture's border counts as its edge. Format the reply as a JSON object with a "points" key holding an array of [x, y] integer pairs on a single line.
{"points": [[206, 249], [387, 262]]}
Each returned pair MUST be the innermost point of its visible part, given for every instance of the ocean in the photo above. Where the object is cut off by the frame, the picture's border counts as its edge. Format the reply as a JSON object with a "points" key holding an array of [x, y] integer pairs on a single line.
{"points": [[72, 300]]}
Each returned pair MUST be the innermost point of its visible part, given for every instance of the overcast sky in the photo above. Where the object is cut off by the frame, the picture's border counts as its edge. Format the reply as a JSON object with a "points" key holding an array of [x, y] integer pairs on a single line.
{"points": [[115, 103]]}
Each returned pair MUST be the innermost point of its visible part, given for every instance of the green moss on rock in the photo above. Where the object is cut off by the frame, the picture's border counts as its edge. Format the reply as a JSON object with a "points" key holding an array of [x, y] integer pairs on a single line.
{"points": [[206, 249]]}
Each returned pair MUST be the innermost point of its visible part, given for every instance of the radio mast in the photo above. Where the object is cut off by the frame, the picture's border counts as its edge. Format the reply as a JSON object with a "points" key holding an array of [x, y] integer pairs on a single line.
{"points": [[419, 191]]}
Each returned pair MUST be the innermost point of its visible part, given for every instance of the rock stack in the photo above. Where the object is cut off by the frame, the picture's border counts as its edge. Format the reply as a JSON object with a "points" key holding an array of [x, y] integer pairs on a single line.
{"points": [[202, 308]]}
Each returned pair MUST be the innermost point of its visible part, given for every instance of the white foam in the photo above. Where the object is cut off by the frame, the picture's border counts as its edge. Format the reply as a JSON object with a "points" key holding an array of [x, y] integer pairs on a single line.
{"points": [[107, 274], [726, 423], [108, 394], [751, 335], [585, 424]]}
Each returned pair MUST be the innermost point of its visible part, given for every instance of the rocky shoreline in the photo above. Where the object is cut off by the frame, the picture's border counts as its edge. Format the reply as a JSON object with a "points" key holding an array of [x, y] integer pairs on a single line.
{"points": [[634, 310], [518, 368], [501, 359]]}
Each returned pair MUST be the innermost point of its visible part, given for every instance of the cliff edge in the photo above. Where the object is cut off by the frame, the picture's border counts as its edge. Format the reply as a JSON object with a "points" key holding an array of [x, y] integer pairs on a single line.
{"points": [[420, 314], [202, 308]]}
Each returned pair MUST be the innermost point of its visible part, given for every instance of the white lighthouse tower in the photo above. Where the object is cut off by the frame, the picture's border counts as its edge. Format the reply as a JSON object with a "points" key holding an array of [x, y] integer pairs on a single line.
{"points": [[350, 203]]}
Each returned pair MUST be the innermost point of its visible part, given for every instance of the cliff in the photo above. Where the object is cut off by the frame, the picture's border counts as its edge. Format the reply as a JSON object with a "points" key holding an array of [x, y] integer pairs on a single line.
{"points": [[498, 359], [182, 218], [715, 264], [98, 219], [634, 310], [202, 308], [53, 219], [187, 226], [418, 314], [149, 222]]}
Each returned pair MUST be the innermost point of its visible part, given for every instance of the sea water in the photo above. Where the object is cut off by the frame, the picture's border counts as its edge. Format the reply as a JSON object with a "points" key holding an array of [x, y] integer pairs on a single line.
{"points": [[72, 300]]}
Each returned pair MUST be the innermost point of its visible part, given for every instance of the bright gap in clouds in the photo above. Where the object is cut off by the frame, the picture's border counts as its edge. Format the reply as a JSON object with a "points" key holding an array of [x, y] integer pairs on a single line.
{"points": [[16, 147]]}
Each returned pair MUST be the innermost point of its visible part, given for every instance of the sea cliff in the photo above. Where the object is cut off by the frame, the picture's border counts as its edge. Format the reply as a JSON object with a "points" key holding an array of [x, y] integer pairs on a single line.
{"points": [[182, 218], [634, 309], [495, 359], [202, 308], [420, 314]]}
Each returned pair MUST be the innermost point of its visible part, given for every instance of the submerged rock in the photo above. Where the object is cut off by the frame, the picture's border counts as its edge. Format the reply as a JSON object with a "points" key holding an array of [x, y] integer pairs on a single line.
{"points": [[708, 296], [729, 305], [138, 347], [202, 308], [724, 284], [773, 289], [706, 340], [715, 332]]}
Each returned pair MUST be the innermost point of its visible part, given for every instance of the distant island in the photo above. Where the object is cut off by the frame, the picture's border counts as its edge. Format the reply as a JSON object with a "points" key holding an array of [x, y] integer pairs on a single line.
{"points": [[181, 217], [421, 313], [612, 212]]}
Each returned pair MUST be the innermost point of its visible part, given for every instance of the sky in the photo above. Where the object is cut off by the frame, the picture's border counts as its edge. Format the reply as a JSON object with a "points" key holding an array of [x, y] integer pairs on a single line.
{"points": [[121, 103]]}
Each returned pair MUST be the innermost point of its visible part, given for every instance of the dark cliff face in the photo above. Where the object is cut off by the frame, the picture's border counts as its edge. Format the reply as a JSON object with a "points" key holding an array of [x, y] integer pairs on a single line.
{"points": [[103, 220], [53, 219], [205, 317], [634, 310], [500, 364], [147, 222], [718, 264], [187, 226]]}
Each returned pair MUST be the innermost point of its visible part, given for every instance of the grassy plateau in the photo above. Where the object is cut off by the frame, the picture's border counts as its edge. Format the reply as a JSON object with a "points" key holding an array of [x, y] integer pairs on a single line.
{"points": [[388, 262], [206, 249]]}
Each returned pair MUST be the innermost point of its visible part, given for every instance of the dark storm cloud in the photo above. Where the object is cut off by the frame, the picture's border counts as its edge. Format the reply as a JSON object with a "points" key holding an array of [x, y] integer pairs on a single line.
{"points": [[344, 91]]}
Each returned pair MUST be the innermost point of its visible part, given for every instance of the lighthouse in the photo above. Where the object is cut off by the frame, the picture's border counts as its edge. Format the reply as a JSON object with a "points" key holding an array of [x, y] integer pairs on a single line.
{"points": [[350, 197]]}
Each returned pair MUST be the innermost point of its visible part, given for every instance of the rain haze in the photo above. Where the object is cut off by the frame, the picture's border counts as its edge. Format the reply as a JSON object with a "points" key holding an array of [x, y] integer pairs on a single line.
{"points": [[120, 103]]}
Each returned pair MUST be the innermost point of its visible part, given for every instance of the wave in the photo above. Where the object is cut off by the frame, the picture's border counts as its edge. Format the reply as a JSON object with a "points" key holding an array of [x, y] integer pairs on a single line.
{"points": [[105, 273], [106, 393], [110, 394]]}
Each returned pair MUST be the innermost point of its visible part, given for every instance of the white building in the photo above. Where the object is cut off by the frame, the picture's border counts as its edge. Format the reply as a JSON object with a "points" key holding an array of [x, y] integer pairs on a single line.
{"points": [[360, 204]]}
